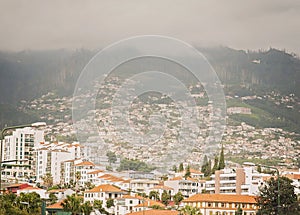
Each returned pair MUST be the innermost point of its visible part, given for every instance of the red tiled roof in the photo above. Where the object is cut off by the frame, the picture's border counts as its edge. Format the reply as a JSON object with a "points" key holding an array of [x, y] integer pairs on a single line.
{"points": [[104, 188], [161, 187], [85, 163], [149, 203], [95, 171], [56, 205], [221, 198], [57, 190], [31, 188], [155, 212]]}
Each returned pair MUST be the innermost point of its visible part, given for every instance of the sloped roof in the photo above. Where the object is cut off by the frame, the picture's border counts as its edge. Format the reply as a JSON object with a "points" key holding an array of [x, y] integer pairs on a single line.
{"points": [[56, 205], [149, 203], [85, 163], [155, 212], [104, 188], [232, 198]]}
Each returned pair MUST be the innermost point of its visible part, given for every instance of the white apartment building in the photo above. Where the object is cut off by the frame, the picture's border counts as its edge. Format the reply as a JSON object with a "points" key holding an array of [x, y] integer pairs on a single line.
{"points": [[49, 157], [70, 168], [103, 193], [84, 167], [19, 147], [143, 185], [187, 187], [126, 204], [241, 181]]}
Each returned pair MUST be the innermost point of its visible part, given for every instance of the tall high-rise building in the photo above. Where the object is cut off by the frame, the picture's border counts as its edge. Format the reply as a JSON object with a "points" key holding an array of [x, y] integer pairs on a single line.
{"points": [[19, 149]]}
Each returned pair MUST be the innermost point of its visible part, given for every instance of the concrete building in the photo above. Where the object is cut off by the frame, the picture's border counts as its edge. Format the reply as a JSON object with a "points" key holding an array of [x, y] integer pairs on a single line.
{"points": [[143, 185], [126, 203], [187, 187], [103, 193], [219, 204], [19, 147], [241, 181], [49, 157]]}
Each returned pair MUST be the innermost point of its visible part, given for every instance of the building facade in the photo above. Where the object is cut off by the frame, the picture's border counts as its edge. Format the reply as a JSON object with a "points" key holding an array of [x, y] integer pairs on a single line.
{"points": [[222, 204], [19, 148]]}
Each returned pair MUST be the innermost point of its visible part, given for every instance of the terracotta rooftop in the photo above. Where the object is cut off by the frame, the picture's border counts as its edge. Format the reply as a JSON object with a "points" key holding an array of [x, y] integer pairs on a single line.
{"points": [[162, 187], [56, 205], [149, 203], [85, 163], [104, 188], [131, 197], [15, 185], [155, 212], [221, 198], [95, 171], [179, 178], [57, 190], [31, 188]]}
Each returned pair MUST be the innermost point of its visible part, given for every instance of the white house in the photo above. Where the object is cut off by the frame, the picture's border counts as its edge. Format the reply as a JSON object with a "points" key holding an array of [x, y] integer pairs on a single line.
{"points": [[188, 186]]}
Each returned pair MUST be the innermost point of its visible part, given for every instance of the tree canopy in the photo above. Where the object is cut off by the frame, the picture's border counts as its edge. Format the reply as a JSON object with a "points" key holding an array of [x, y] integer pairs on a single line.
{"points": [[267, 200]]}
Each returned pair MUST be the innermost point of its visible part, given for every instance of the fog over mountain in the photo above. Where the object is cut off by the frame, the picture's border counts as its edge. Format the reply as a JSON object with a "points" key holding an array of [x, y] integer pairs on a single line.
{"points": [[29, 74]]}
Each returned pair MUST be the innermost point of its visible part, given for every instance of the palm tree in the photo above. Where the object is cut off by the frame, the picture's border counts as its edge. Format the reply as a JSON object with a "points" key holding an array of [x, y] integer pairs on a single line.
{"points": [[52, 198], [154, 195], [29, 202], [189, 210], [97, 205], [47, 180], [77, 177], [86, 208], [178, 197], [72, 204]]}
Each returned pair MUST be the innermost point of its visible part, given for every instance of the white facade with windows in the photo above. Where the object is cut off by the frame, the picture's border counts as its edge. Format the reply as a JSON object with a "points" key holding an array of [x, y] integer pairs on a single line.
{"points": [[19, 148]]}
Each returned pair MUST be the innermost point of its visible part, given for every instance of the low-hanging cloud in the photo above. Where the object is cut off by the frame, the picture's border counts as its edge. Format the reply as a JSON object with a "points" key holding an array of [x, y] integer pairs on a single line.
{"points": [[93, 24]]}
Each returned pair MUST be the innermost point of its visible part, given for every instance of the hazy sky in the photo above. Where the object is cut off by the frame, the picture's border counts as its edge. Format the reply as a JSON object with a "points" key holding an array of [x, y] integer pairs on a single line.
{"points": [[251, 24]]}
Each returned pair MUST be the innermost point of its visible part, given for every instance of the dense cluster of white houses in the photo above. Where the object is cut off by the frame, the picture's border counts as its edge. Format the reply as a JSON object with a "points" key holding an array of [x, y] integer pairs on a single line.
{"points": [[224, 192]]}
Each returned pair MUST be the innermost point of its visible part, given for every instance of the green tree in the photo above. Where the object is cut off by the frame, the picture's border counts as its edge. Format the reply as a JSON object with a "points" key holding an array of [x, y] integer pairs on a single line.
{"points": [[88, 185], [30, 202], [259, 169], [180, 168], [112, 157], [98, 205], [189, 210], [10, 205], [154, 195], [187, 172], [157, 207], [110, 203], [222, 159], [52, 198], [134, 164], [239, 211], [165, 198], [77, 178], [298, 161], [72, 204], [178, 197], [216, 165], [174, 168], [86, 208], [47, 180], [206, 167], [143, 195], [267, 199]]}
